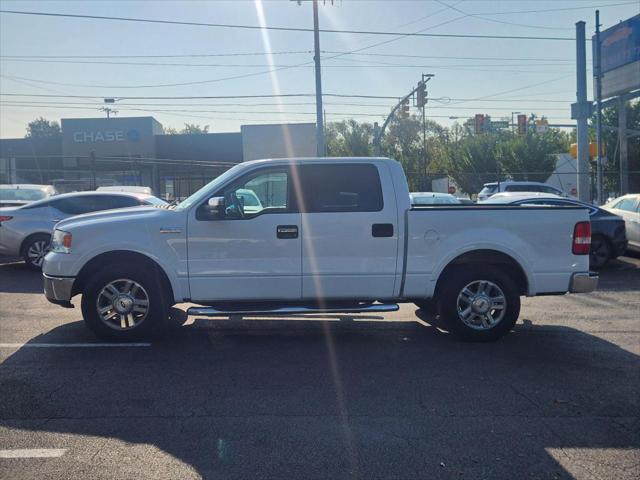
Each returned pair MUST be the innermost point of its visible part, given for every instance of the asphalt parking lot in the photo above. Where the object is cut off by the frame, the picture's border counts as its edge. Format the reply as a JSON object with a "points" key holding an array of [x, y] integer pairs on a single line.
{"points": [[348, 397]]}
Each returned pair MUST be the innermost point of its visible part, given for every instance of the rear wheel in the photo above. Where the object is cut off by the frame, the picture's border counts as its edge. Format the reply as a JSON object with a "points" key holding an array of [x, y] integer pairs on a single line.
{"points": [[480, 304], [34, 251], [124, 303], [600, 252]]}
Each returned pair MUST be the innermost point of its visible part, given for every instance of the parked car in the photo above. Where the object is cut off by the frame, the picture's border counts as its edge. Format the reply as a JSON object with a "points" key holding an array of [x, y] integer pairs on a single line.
{"points": [[492, 188], [21, 194], [342, 237], [126, 188], [433, 198], [250, 201], [628, 207], [608, 238], [25, 231]]}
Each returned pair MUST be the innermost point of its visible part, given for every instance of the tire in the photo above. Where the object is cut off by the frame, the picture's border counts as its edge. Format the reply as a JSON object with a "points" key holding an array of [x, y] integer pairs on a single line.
{"points": [[34, 250], [133, 302], [600, 252], [475, 289]]}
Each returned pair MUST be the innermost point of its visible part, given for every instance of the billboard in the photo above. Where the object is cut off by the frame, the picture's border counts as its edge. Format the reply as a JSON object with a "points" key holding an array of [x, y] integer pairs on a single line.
{"points": [[620, 57]]}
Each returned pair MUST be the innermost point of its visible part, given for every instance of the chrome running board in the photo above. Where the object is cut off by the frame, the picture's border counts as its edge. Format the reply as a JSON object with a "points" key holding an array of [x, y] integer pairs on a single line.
{"points": [[214, 312]]}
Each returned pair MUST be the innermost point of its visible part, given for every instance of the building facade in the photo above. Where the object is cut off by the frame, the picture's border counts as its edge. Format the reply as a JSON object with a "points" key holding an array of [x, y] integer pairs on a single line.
{"points": [[93, 152]]}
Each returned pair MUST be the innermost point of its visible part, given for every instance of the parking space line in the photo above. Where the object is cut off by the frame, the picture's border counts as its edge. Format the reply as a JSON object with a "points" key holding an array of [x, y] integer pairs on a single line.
{"points": [[33, 453], [72, 345]]}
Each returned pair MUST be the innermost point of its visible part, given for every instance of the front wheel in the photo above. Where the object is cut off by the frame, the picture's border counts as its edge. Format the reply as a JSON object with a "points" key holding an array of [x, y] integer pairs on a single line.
{"points": [[480, 304], [124, 303]]}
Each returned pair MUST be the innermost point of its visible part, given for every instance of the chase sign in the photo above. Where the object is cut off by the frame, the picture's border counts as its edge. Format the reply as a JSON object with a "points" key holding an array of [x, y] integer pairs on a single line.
{"points": [[123, 136], [106, 136]]}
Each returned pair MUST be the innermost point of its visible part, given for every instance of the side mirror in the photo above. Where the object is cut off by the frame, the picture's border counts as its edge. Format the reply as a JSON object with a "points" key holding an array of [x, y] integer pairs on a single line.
{"points": [[215, 204], [212, 210]]}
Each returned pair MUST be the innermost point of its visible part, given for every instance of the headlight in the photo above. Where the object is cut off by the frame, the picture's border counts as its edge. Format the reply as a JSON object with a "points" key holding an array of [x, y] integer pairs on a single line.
{"points": [[61, 242]]}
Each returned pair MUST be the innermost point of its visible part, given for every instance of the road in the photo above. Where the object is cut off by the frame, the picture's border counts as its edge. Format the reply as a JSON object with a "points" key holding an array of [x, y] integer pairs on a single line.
{"points": [[349, 397]]}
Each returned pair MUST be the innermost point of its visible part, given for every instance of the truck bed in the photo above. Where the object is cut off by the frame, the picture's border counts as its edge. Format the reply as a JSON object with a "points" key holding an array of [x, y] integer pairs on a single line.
{"points": [[539, 238]]}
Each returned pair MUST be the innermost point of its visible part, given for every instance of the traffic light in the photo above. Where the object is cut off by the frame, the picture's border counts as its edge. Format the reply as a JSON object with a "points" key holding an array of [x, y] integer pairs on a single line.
{"points": [[421, 95], [479, 123], [404, 109], [522, 124]]}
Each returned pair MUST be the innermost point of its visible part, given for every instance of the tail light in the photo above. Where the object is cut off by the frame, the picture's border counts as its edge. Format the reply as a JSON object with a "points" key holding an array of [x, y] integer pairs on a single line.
{"points": [[5, 218], [581, 238]]}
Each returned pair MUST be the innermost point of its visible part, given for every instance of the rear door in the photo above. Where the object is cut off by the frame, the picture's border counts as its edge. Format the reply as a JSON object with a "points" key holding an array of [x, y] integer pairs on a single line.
{"points": [[349, 231]]}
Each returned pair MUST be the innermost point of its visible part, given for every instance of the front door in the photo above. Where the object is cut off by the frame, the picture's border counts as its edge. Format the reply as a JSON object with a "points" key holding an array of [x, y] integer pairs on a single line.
{"points": [[252, 250]]}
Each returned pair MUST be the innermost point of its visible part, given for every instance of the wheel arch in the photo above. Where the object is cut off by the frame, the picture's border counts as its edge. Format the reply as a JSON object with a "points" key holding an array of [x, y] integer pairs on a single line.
{"points": [[491, 258], [127, 257], [29, 237]]}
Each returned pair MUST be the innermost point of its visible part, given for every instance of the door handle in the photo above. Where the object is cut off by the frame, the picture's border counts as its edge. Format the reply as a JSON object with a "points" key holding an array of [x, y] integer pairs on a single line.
{"points": [[382, 230], [287, 231]]}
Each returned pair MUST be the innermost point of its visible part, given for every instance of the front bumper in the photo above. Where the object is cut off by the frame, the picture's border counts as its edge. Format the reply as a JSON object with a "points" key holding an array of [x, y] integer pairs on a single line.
{"points": [[583, 282], [58, 289]]}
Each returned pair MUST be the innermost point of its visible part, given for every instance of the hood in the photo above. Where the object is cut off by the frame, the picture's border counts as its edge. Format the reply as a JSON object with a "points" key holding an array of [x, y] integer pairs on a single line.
{"points": [[107, 216]]}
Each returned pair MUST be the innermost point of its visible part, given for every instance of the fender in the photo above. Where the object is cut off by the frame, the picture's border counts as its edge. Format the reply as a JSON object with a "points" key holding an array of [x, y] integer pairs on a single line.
{"points": [[179, 284], [470, 247]]}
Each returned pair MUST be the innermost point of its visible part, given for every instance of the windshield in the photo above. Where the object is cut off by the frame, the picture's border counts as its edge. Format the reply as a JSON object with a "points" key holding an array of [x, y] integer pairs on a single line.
{"points": [[22, 194], [489, 188], [201, 194]]}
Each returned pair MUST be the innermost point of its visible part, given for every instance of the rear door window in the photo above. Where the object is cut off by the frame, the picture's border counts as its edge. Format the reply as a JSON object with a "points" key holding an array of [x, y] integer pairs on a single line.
{"points": [[523, 188], [626, 204], [340, 188]]}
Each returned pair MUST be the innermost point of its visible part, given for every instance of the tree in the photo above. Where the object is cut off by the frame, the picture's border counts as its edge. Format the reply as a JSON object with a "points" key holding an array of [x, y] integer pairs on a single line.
{"points": [[349, 139], [402, 141], [611, 170], [189, 129], [193, 129], [42, 128], [530, 157], [472, 161]]}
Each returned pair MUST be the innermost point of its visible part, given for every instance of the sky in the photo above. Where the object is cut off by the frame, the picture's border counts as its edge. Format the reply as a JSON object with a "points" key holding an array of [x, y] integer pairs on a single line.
{"points": [[100, 59]]}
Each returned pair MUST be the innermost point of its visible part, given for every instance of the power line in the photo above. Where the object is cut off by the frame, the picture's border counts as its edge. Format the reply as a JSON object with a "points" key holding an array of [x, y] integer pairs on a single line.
{"points": [[286, 95], [182, 55], [590, 7], [482, 17], [363, 64], [287, 29], [204, 55], [235, 106], [189, 113]]}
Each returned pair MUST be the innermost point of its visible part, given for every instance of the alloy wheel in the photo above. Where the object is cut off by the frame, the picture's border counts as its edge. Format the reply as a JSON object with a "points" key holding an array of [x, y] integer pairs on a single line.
{"points": [[481, 305], [122, 304]]}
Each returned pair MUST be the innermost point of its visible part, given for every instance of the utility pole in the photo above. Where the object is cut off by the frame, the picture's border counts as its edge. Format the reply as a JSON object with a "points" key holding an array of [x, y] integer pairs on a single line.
{"points": [[108, 110], [513, 126], [316, 47], [624, 151], [598, 72], [581, 111]]}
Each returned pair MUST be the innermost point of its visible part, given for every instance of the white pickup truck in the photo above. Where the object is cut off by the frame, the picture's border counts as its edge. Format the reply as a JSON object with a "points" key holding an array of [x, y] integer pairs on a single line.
{"points": [[327, 235]]}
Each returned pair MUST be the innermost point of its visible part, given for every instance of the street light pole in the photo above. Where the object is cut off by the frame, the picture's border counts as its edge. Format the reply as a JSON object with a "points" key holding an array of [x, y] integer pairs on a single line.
{"points": [[320, 147], [598, 72]]}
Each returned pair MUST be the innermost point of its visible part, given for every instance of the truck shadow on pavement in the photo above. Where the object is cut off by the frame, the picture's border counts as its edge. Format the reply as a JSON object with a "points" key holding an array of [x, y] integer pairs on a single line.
{"points": [[330, 401]]}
